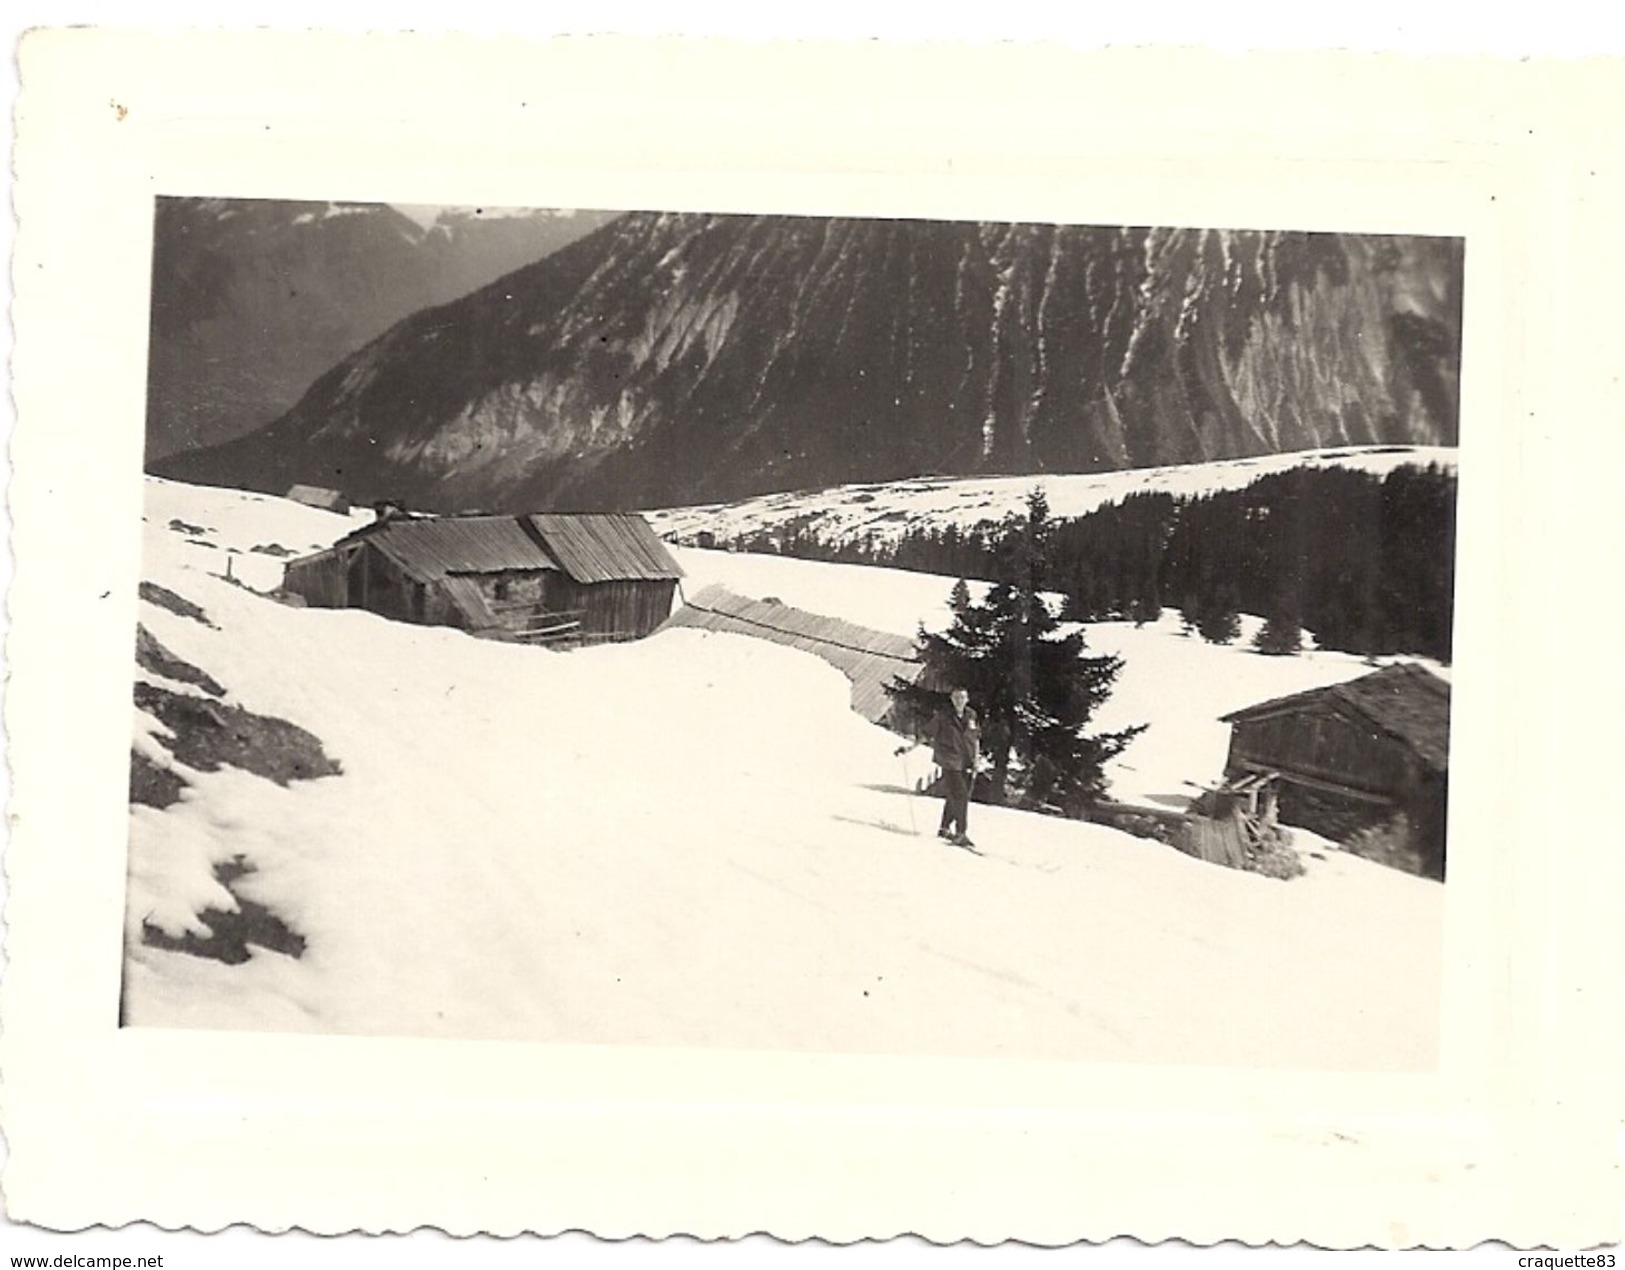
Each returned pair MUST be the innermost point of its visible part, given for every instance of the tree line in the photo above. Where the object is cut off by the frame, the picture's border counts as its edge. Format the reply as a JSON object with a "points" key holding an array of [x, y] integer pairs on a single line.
{"points": [[1365, 562]]}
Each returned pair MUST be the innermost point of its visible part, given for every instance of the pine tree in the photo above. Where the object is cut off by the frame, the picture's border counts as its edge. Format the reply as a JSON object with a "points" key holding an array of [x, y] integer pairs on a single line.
{"points": [[1034, 687], [1280, 636], [1190, 613], [1143, 609], [1082, 598], [1219, 622]]}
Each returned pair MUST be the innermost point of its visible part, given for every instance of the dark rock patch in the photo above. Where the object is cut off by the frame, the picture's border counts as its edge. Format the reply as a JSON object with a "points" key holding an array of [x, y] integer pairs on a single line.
{"points": [[211, 734], [230, 933], [167, 599], [151, 655], [151, 785], [181, 527], [273, 549]]}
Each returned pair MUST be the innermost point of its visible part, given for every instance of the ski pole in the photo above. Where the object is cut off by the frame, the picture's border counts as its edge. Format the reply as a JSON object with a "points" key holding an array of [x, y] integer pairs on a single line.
{"points": [[908, 790]]}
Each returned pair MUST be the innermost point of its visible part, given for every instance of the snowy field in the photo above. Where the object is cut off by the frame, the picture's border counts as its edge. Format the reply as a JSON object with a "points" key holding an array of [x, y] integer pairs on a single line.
{"points": [[692, 840], [849, 512]]}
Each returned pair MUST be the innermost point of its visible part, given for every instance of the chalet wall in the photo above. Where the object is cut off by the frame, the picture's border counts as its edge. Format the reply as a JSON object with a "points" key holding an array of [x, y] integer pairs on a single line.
{"points": [[515, 598], [1324, 744], [438, 610], [1331, 815], [614, 610], [1427, 805], [362, 577], [1340, 776], [379, 585], [515, 588], [321, 581]]}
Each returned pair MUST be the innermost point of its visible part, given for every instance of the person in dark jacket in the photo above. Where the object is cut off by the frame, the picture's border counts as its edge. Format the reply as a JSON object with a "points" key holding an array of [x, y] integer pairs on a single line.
{"points": [[956, 744]]}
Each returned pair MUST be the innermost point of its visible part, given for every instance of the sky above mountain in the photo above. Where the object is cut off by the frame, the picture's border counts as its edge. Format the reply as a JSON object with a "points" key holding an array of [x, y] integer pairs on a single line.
{"points": [[425, 214]]}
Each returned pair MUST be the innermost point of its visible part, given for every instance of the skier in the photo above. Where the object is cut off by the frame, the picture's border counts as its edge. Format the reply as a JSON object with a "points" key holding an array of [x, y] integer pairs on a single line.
{"points": [[956, 737]]}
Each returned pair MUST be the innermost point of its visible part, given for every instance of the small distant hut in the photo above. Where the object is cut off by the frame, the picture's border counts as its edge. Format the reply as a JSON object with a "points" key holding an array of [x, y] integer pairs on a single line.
{"points": [[328, 500], [545, 578], [1354, 756], [869, 659]]}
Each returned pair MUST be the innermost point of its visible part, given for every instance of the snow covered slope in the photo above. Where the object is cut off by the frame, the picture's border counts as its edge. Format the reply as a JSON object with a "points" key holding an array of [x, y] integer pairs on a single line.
{"points": [[1177, 683], [692, 840], [850, 512]]}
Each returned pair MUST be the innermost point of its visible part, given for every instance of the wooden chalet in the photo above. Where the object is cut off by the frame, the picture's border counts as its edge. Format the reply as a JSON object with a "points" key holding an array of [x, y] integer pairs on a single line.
{"points": [[542, 578], [869, 659], [1353, 756], [328, 500]]}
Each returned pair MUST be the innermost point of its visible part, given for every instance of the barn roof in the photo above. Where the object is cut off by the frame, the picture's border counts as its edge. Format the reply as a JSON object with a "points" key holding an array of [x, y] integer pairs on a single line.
{"points": [[605, 546], [589, 547], [870, 659], [430, 547], [1405, 700]]}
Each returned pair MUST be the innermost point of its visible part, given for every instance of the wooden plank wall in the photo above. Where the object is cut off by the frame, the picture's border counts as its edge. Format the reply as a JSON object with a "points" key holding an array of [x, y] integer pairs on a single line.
{"points": [[1324, 745], [321, 582], [624, 609], [386, 590]]}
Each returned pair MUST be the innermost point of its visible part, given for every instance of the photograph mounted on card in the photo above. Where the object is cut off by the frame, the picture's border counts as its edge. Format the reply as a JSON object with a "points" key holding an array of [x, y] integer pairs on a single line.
{"points": [[941, 657]]}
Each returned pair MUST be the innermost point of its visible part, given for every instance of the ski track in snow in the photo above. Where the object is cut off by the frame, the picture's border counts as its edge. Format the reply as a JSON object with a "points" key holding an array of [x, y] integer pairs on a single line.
{"points": [[693, 841]]}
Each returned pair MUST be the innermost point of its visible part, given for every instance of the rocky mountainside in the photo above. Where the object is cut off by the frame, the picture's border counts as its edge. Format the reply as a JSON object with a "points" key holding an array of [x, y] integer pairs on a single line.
{"points": [[252, 299], [669, 359]]}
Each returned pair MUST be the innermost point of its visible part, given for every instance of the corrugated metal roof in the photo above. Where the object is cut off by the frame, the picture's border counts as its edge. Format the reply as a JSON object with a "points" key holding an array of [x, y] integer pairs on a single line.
{"points": [[433, 546], [869, 659], [605, 546], [1405, 700]]}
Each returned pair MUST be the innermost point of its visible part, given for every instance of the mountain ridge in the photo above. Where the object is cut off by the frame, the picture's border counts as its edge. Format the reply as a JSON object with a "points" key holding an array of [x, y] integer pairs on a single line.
{"points": [[671, 358], [252, 299]]}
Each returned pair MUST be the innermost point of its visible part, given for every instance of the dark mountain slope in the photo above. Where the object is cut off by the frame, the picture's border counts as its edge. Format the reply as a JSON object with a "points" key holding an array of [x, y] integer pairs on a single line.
{"points": [[252, 299], [673, 358]]}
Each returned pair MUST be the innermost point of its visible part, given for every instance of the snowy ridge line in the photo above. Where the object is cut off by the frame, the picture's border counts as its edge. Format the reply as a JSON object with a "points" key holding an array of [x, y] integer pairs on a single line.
{"points": [[885, 511]]}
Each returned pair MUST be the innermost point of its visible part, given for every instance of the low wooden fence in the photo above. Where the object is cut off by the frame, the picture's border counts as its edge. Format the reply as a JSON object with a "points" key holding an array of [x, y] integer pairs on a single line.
{"points": [[522, 620]]}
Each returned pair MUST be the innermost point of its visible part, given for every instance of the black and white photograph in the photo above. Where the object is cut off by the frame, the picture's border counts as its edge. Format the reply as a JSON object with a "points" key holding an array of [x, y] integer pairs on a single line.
{"points": [[777, 632], [707, 643]]}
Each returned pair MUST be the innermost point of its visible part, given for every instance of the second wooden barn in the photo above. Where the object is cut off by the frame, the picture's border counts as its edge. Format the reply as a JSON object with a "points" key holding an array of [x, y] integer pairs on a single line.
{"points": [[544, 578], [1355, 755]]}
